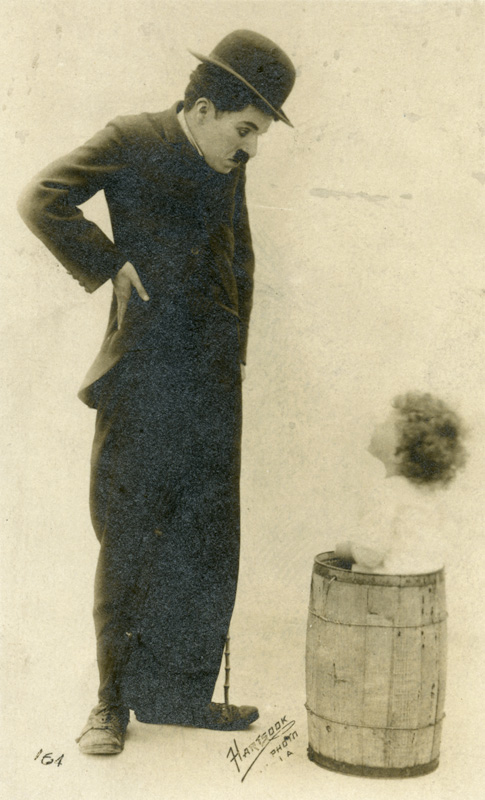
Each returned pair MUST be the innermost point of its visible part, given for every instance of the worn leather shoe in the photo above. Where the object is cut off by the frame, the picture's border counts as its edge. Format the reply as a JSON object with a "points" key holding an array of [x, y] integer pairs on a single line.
{"points": [[215, 716], [104, 732], [222, 717]]}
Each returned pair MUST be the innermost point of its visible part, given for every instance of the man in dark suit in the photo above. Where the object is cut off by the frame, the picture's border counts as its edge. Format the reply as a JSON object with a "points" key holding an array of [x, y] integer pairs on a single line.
{"points": [[167, 381]]}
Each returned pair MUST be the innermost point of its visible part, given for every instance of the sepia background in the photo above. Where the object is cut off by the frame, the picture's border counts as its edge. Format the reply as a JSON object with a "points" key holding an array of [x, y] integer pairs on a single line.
{"points": [[368, 226]]}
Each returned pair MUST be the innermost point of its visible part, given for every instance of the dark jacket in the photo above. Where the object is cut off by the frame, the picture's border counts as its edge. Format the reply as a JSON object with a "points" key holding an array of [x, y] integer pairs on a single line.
{"points": [[181, 224]]}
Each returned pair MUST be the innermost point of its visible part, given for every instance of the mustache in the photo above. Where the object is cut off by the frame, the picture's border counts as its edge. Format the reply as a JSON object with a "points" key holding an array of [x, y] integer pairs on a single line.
{"points": [[241, 157]]}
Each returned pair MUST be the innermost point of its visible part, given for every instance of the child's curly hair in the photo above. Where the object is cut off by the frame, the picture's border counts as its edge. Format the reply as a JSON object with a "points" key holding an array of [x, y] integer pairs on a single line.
{"points": [[430, 448]]}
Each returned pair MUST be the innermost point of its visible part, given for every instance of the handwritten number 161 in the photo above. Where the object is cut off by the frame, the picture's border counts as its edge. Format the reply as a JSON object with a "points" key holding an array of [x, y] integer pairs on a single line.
{"points": [[48, 759]]}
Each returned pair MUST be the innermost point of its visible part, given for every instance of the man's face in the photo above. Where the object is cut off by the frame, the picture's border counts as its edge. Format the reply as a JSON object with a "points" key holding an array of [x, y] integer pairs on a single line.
{"points": [[222, 135]]}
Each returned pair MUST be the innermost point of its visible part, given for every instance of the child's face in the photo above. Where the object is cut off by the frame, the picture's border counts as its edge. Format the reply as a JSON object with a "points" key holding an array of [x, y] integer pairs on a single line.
{"points": [[384, 442]]}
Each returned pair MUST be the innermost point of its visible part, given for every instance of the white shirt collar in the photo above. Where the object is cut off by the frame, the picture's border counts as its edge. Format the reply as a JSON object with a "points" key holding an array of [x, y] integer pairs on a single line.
{"points": [[186, 130]]}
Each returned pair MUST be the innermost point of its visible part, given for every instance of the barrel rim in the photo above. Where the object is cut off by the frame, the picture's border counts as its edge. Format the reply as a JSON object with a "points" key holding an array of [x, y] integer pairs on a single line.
{"points": [[371, 772], [324, 567]]}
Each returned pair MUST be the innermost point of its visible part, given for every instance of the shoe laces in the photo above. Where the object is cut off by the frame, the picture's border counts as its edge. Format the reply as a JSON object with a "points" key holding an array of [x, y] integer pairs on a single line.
{"points": [[107, 718]]}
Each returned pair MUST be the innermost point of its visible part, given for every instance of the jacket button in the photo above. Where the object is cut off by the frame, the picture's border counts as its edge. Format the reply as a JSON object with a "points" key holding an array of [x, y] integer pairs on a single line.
{"points": [[194, 250]]}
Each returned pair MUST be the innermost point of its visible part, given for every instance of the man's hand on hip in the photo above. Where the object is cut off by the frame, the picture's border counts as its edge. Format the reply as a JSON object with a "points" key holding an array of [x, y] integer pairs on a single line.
{"points": [[123, 284]]}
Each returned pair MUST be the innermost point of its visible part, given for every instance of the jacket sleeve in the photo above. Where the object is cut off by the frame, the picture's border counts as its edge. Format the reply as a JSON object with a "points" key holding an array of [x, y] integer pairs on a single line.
{"points": [[49, 206], [243, 264]]}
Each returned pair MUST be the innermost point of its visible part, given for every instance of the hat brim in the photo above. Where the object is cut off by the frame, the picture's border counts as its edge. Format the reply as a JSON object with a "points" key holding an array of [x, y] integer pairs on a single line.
{"points": [[279, 113]]}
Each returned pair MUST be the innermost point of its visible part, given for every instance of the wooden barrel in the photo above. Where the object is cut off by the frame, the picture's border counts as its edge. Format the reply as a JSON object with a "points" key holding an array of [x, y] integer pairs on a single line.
{"points": [[375, 670]]}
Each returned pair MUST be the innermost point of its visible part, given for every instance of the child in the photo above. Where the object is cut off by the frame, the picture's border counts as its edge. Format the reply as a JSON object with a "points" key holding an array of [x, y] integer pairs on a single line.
{"points": [[420, 445]]}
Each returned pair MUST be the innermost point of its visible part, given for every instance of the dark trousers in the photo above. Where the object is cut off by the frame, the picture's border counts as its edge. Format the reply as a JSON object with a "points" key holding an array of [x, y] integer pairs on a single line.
{"points": [[165, 508]]}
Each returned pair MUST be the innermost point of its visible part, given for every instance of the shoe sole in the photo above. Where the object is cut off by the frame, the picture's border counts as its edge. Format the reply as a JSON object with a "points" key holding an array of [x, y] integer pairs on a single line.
{"points": [[99, 751], [237, 725]]}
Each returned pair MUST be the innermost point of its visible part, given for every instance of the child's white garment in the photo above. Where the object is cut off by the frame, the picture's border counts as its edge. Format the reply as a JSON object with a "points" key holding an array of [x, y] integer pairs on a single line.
{"points": [[397, 530]]}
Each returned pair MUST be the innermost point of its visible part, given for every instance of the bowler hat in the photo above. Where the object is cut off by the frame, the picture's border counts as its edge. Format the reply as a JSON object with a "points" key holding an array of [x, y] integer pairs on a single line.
{"points": [[259, 63]]}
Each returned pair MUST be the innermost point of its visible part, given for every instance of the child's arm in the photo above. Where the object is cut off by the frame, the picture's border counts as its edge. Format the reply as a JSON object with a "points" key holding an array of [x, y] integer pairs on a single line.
{"points": [[363, 556]]}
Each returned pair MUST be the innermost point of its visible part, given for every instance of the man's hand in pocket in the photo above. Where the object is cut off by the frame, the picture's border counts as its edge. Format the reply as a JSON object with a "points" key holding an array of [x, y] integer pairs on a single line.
{"points": [[123, 284]]}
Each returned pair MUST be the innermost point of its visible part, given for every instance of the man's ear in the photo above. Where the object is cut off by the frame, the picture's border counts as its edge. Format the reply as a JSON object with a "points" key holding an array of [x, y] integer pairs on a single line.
{"points": [[203, 108]]}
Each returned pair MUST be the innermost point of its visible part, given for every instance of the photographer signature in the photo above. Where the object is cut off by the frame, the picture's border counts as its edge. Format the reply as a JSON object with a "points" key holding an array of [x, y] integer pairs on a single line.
{"points": [[282, 729]]}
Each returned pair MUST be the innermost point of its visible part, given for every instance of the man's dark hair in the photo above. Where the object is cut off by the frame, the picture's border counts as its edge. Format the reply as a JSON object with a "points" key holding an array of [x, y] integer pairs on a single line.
{"points": [[224, 90]]}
